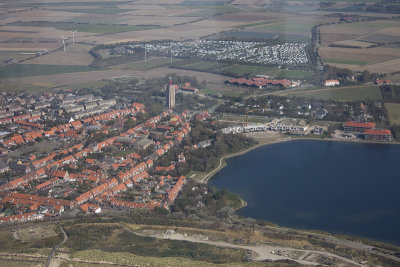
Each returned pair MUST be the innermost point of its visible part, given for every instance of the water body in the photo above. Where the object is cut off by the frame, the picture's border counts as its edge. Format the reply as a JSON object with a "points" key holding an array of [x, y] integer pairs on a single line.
{"points": [[346, 188]]}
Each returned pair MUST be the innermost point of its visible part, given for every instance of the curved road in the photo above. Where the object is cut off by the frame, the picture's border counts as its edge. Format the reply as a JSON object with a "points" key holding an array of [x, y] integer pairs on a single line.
{"points": [[54, 250]]}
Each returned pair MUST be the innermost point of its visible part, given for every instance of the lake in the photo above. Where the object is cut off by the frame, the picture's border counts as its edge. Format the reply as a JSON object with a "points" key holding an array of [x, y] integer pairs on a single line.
{"points": [[346, 188]]}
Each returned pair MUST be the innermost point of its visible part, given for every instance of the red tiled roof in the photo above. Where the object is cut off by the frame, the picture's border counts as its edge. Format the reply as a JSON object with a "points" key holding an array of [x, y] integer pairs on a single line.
{"points": [[378, 132], [360, 124]]}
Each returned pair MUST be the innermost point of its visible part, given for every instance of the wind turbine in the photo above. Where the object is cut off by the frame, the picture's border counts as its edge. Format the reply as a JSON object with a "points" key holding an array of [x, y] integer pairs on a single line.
{"points": [[63, 40], [73, 36]]}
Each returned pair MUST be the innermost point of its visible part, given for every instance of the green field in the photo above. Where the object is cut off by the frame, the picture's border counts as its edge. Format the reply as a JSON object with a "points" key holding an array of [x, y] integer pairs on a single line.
{"points": [[220, 92], [201, 65], [393, 113], [342, 93], [251, 70], [343, 61], [84, 27], [295, 75], [23, 70], [150, 64]]}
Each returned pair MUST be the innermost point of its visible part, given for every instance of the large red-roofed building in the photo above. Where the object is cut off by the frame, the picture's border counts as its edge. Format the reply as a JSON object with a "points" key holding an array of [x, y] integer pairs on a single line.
{"points": [[378, 135], [357, 127]]}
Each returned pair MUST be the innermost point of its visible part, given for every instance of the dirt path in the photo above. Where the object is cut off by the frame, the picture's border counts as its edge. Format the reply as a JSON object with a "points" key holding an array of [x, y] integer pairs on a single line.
{"points": [[51, 263]]}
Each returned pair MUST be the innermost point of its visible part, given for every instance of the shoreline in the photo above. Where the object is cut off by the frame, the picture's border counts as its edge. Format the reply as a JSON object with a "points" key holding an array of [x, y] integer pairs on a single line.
{"points": [[222, 160], [281, 139]]}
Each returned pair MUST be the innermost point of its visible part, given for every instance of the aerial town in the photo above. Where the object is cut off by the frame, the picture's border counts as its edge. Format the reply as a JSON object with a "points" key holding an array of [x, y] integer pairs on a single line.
{"points": [[102, 154], [75, 174]]}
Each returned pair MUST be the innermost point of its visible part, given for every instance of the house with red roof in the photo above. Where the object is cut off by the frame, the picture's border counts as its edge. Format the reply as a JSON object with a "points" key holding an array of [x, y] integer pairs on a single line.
{"points": [[380, 135], [357, 127]]}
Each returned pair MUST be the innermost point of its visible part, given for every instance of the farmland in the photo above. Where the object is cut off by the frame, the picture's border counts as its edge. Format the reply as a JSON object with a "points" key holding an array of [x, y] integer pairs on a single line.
{"points": [[86, 27], [362, 45], [23, 70]]}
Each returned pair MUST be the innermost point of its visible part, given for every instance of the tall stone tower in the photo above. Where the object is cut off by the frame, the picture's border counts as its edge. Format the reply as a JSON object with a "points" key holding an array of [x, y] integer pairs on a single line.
{"points": [[171, 94]]}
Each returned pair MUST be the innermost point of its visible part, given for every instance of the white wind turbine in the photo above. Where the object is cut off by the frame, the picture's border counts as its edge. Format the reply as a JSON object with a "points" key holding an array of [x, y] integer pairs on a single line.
{"points": [[73, 36], [63, 40]]}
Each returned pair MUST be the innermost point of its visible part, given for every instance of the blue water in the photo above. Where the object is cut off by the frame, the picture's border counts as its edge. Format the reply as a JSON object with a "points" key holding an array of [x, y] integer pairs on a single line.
{"points": [[345, 188]]}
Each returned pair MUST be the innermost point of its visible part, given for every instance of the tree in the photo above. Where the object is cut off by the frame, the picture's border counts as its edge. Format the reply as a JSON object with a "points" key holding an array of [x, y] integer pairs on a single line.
{"points": [[365, 76]]}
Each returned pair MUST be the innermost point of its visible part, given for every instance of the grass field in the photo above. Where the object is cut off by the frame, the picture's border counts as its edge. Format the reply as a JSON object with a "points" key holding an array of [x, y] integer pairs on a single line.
{"points": [[23, 70], [393, 113], [295, 75], [343, 61], [84, 27], [150, 64], [220, 92], [202, 65], [342, 93], [251, 70]]}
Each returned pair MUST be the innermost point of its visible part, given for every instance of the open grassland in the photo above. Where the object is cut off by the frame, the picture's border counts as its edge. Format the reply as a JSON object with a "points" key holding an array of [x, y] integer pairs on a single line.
{"points": [[341, 93], [36, 244], [23, 70], [393, 113], [220, 92], [241, 70], [36, 232], [201, 65], [131, 259], [110, 237], [295, 75], [150, 64], [15, 262], [83, 27]]}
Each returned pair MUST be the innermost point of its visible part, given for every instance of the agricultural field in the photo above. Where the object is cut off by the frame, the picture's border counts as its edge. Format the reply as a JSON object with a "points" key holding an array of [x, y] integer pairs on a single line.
{"points": [[86, 27], [362, 45], [16, 56], [77, 55], [22, 70], [393, 113], [341, 93]]}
